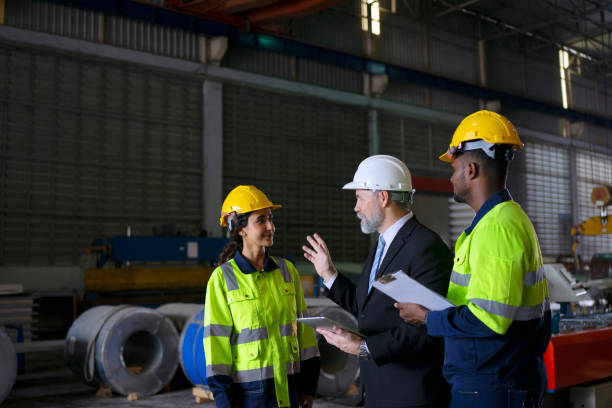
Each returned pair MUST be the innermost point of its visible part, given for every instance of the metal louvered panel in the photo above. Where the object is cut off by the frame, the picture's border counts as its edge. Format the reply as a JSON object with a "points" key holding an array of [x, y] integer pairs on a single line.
{"points": [[416, 143], [329, 76], [593, 170], [53, 19], [446, 50], [406, 139], [548, 201], [156, 39], [300, 152], [402, 45], [259, 61], [89, 148], [460, 217]]}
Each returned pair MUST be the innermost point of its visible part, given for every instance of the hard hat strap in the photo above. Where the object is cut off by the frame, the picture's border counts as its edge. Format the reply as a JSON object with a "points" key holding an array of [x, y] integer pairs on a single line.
{"points": [[402, 196], [494, 151], [486, 147]]}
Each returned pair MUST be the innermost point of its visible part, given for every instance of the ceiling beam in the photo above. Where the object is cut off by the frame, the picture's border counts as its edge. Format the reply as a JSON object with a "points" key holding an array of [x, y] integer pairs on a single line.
{"points": [[452, 8]]}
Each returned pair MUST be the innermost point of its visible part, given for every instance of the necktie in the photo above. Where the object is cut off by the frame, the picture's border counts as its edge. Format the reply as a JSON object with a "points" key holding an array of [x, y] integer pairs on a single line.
{"points": [[379, 251]]}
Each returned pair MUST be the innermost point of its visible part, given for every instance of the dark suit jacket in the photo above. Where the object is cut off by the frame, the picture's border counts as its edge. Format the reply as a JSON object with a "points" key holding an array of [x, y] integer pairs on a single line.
{"points": [[405, 366]]}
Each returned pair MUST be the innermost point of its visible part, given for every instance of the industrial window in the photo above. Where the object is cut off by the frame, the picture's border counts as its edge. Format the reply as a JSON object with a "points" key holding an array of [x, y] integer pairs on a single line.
{"points": [[594, 169], [548, 197], [370, 16]]}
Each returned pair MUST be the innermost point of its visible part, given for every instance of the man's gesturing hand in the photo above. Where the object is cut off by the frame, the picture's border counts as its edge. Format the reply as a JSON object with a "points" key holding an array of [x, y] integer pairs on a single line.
{"points": [[319, 256]]}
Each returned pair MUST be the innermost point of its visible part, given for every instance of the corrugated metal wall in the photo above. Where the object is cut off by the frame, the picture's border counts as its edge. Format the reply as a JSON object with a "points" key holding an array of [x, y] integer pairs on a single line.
{"points": [[89, 148], [53, 18], [548, 200], [89, 144], [299, 151], [416, 143], [70, 22]]}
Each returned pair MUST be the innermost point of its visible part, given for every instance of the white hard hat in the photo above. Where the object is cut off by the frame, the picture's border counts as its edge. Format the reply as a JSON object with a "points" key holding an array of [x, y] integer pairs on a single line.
{"points": [[381, 172]]}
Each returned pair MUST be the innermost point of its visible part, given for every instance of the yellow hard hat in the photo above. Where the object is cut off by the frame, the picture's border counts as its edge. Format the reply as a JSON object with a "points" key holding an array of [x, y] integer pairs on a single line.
{"points": [[485, 125], [244, 199]]}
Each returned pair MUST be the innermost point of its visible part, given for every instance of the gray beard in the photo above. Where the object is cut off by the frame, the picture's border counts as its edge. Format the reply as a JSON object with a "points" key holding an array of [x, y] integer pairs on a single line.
{"points": [[370, 226]]}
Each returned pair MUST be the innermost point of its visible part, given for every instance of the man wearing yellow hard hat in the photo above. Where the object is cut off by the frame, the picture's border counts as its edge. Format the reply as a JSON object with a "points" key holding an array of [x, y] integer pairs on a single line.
{"points": [[497, 333]]}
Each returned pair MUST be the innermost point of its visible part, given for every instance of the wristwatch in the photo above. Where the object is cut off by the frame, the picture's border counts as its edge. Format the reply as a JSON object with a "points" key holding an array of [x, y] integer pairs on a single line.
{"points": [[363, 350]]}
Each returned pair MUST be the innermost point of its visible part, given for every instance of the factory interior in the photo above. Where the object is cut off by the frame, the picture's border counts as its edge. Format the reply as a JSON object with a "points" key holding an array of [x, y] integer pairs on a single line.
{"points": [[125, 124]]}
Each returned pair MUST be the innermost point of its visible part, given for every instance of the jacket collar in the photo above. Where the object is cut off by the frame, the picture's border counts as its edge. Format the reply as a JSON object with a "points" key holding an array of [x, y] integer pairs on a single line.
{"points": [[245, 266], [497, 198]]}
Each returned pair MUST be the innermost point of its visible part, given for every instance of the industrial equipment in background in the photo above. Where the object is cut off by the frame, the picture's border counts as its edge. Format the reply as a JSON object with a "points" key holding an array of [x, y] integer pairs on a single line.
{"points": [[601, 264], [149, 270], [580, 350]]}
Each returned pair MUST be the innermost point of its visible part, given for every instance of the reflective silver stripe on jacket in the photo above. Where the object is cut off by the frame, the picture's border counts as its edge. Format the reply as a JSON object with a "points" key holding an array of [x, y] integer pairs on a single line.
{"points": [[256, 374], [293, 367], [230, 277], [218, 369], [309, 352], [249, 335], [533, 278], [282, 265], [288, 330], [460, 278], [522, 313], [218, 330]]}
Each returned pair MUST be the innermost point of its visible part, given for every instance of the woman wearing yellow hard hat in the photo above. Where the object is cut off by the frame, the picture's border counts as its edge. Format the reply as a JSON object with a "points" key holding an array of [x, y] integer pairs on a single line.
{"points": [[257, 354]]}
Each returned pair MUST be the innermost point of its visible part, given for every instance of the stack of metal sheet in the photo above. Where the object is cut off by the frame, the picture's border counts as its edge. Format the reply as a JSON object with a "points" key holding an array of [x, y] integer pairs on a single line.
{"points": [[17, 316]]}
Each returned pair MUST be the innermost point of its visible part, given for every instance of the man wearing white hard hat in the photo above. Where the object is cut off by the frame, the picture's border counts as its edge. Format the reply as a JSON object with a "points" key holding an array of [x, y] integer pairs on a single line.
{"points": [[401, 366]]}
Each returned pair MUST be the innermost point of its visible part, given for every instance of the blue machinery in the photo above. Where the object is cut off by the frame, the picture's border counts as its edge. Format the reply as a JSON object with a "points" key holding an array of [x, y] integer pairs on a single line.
{"points": [[121, 249]]}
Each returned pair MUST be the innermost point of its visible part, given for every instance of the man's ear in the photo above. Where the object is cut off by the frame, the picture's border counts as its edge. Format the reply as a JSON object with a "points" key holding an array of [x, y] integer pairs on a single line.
{"points": [[383, 198], [472, 170]]}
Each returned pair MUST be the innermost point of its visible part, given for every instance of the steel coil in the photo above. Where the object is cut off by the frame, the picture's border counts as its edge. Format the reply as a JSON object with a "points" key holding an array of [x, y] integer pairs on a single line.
{"points": [[129, 349], [339, 370], [189, 319]]}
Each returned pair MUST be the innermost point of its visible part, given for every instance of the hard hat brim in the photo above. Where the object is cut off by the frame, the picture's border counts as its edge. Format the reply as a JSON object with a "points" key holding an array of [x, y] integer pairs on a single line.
{"points": [[445, 158], [223, 219], [354, 186]]}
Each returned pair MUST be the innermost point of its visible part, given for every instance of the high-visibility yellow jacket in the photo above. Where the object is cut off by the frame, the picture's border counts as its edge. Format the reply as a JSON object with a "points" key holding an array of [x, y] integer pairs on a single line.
{"points": [[501, 326], [497, 269], [250, 328]]}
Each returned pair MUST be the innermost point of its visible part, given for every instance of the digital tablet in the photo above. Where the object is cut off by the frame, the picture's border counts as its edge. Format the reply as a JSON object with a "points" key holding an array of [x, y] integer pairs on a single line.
{"points": [[327, 323]]}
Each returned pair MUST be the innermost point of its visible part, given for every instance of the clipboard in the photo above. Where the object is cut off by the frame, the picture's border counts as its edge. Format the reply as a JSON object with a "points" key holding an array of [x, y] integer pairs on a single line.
{"points": [[403, 288], [326, 323]]}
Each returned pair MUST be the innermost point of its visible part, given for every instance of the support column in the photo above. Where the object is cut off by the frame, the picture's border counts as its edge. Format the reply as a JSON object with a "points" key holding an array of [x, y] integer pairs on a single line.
{"points": [[373, 135], [212, 157], [2, 8], [575, 208]]}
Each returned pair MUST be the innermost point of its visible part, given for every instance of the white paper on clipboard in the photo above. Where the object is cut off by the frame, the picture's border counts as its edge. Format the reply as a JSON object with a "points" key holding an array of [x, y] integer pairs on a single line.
{"points": [[403, 288]]}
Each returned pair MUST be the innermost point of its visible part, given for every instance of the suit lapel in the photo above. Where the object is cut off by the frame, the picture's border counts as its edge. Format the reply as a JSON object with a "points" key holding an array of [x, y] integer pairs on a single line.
{"points": [[396, 246], [362, 288]]}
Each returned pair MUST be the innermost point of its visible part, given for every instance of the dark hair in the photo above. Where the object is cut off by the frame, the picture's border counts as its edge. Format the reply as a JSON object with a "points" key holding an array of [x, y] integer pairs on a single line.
{"points": [[237, 223], [496, 170]]}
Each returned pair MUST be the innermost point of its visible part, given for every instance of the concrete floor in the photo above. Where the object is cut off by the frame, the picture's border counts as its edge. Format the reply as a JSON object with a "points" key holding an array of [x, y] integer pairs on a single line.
{"points": [[62, 390]]}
